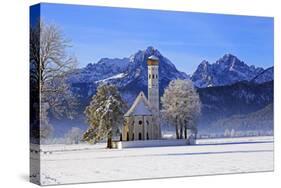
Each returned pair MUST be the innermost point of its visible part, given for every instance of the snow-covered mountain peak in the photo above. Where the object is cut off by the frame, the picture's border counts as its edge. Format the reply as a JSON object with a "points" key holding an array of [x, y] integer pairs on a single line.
{"points": [[150, 49], [128, 74], [204, 64], [225, 71], [228, 56], [230, 60]]}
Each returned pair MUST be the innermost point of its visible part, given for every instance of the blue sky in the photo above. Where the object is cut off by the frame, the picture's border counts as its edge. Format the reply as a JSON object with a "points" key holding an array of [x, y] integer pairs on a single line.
{"points": [[185, 38]]}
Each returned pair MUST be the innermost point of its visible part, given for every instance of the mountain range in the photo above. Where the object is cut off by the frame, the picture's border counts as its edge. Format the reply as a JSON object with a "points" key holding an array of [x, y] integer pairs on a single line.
{"points": [[128, 74], [228, 70], [226, 87]]}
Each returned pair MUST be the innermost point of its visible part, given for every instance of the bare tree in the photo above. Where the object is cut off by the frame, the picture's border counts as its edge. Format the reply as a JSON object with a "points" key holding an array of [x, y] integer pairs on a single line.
{"points": [[181, 107], [49, 66]]}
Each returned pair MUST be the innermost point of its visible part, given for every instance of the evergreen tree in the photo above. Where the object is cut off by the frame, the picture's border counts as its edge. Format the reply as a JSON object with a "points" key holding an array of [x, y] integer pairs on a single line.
{"points": [[104, 115]]}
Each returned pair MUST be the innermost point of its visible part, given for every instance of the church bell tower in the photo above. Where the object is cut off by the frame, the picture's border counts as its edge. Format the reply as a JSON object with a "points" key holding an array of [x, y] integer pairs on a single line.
{"points": [[153, 83]]}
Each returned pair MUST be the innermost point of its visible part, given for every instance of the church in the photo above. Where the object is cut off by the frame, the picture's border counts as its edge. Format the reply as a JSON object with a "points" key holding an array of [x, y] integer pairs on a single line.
{"points": [[142, 121]]}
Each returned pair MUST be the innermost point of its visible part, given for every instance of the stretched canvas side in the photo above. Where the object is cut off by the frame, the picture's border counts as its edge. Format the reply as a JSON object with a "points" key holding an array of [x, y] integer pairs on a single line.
{"points": [[34, 95]]}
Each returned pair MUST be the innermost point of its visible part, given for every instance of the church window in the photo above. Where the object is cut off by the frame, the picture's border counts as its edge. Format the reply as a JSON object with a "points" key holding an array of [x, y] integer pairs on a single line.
{"points": [[140, 122], [152, 76]]}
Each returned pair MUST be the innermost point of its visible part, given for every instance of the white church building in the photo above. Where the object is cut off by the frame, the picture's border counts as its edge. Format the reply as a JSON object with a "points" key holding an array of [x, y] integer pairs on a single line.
{"points": [[142, 120]]}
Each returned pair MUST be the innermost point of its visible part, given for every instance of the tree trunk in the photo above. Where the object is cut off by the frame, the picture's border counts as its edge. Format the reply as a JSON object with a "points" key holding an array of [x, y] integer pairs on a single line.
{"points": [[177, 131], [185, 133], [181, 131], [109, 140], [195, 134]]}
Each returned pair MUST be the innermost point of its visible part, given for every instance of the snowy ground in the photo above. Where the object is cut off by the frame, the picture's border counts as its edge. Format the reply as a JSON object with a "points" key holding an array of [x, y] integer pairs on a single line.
{"points": [[62, 164]]}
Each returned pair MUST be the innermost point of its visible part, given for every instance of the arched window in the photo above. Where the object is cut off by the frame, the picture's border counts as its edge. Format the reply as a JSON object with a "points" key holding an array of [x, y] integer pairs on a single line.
{"points": [[149, 76], [139, 136], [121, 137], [128, 136], [133, 137], [147, 137], [140, 122], [152, 76], [155, 75]]}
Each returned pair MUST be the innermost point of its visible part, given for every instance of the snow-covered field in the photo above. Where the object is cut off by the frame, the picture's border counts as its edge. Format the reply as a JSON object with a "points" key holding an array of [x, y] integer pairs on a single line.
{"points": [[63, 164]]}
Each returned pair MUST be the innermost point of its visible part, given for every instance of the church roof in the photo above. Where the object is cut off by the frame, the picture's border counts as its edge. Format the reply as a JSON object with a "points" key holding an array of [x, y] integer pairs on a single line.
{"points": [[152, 60], [140, 107]]}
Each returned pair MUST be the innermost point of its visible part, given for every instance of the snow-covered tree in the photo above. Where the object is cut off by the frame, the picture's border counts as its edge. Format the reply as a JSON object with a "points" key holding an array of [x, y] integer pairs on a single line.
{"points": [[46, 128], [181, 106], [226, 133], [74, 135], [104, 114], [49, 66], [232, 133]]}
